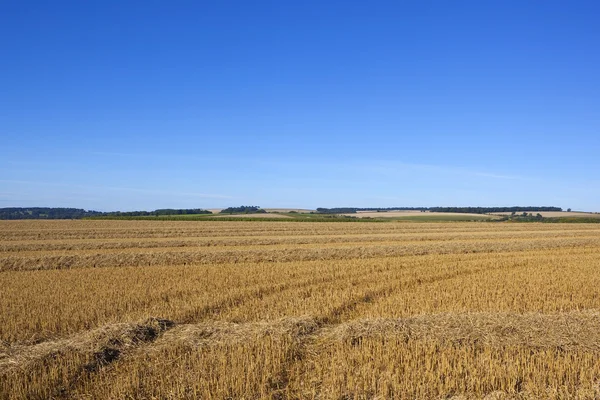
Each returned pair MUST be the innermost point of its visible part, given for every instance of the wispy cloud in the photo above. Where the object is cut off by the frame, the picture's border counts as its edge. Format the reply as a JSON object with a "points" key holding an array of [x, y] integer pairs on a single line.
{"points": [[119, 154], [161, 155], [386, 198], [163, 192], [122, 189], [23, 182], [391, 168], [495, 176]]}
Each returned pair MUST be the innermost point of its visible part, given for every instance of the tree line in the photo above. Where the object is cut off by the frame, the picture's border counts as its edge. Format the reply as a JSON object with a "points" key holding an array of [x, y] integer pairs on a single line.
{"points": [[487, 210], [157, 213], [78, 213]]}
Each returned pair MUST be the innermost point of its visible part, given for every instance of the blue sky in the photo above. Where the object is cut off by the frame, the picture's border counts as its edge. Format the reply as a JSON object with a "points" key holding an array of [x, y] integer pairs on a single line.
{"points": [[138, 105]]}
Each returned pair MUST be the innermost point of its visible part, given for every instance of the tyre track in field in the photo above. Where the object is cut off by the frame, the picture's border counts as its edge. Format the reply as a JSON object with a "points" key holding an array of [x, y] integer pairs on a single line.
{"points": [[570, 331], [305, 341], [84, 354], [95, 353], [238, 300], [373, 274]]}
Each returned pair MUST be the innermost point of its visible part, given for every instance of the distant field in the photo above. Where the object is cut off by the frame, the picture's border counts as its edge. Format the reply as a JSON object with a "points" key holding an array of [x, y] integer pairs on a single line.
{"points": [[287, 210], [103, 309], [298, 217], [260, 215], [555, 214], [271, 210], [417, 215]]}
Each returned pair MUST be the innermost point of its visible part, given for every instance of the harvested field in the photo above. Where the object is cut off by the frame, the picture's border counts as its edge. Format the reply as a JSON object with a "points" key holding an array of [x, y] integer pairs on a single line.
{"points": [[259, 215], [299, 310]]}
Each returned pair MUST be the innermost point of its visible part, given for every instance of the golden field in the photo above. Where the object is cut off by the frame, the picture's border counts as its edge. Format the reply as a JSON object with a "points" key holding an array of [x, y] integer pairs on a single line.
{"points": [[299, 310]]}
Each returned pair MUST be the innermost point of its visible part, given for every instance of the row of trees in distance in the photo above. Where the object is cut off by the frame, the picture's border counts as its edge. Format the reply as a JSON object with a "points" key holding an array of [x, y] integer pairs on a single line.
{"points": [[77, 213]]}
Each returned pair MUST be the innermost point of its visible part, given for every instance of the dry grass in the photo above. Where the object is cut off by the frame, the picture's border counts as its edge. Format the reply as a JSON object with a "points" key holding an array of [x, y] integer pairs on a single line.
{"points": [[141, 309]]}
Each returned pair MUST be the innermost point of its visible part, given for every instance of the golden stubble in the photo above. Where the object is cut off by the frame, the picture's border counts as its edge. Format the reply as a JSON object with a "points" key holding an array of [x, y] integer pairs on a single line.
{"points": [[141, 309]]}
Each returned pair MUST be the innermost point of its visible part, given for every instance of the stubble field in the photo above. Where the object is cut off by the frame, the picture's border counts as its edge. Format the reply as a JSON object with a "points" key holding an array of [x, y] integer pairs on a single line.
{"points": [[299, 310]]}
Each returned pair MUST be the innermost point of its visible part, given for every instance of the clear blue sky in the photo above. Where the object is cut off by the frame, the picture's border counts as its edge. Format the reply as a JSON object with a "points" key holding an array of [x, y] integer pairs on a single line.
{"points": [[137, 105]]}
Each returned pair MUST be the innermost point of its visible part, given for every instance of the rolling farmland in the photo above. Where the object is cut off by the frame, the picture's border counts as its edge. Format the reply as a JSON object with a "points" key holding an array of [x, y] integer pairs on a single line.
{"points": [[299, 310]]}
